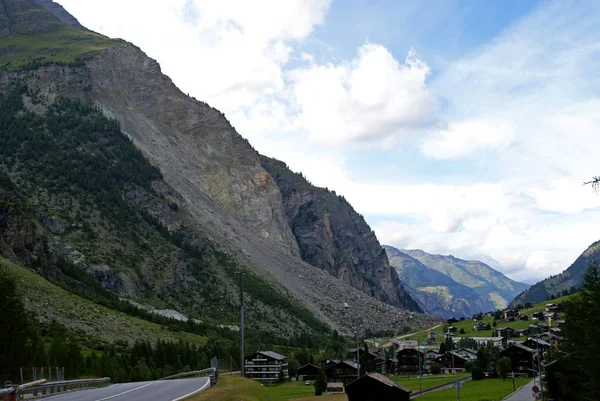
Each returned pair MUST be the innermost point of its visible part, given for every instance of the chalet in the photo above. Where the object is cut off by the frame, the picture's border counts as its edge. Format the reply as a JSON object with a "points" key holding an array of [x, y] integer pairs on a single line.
{"points": [[553, 308], [468, 353], [266, 367], [409, 360], [430, 358], [535, 343], [505, 332], [307, 372], [477, 317], [537, 316], [480, 326], [521, 332], [342, 372], [452, 329], [522, 358], [375, 356], [509, 312], [523, 317], [559, 323], [452, 362], [376, 387]]}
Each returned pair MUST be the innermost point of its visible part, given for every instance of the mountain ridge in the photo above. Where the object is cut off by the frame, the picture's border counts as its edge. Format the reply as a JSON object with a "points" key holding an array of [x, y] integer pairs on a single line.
{"points": [[490, 288], [214, 201]]}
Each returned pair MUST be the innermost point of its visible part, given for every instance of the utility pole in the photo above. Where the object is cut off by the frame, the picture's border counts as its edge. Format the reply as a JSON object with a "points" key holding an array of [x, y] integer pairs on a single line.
{"points": [[540, 365], [241, 273], [420, 368]]}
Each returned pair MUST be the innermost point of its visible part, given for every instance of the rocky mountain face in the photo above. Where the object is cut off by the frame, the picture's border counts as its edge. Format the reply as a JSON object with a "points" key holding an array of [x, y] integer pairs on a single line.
{"points": [[488, 283], [567, 281], [166, 226], [331, 235], [436, 293]]}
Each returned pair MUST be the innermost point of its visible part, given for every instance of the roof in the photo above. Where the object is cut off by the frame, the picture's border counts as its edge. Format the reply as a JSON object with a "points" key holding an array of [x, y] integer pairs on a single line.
{"points": [[537, 340], [273, 355], [308, 365], [521, 346], [382, 379]]}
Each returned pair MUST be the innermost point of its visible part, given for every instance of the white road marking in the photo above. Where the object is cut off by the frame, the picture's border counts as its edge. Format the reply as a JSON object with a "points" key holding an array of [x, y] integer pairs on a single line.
{"points": [[193, 392], [125, 392]]}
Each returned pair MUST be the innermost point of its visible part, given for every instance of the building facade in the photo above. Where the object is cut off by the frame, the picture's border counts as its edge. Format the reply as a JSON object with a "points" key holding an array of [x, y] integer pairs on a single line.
{"points": [[266, 367]]}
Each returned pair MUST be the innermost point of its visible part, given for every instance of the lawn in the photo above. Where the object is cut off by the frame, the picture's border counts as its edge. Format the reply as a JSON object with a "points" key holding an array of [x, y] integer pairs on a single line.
{"points": [[292, 390], [233, 388], [481, 390], [412, 382]]}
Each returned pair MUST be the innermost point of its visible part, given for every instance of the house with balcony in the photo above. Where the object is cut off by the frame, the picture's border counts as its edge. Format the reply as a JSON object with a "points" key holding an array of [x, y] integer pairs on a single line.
{"points": [[266, 367]]}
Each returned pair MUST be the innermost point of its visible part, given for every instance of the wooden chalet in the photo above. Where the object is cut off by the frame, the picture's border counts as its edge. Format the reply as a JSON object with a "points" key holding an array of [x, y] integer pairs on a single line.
{"points": [[535, 343], [521, 357], [409, 360], [376, 357], [505, 332], [342, 372], [480, 326], [452, 362], [307, 372], [509, 313], [376, 387], [266, 367], [523, 317]]}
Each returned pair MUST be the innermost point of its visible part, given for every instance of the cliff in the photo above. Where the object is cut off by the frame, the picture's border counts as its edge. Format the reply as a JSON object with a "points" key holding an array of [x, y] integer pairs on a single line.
{"points": [[334, 237]]}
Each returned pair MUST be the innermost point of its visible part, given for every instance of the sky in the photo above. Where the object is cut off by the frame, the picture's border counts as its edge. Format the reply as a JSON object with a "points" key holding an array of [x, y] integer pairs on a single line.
{"points": [[456, 127]]}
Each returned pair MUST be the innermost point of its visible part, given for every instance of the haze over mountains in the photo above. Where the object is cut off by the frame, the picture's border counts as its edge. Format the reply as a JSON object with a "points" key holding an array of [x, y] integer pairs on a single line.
{"points": [[446, 286], [115, 174]]}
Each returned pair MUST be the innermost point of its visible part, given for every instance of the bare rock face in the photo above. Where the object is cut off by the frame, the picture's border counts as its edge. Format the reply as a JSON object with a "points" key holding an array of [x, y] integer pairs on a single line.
{"points": [[334, 237], [194, 145]]}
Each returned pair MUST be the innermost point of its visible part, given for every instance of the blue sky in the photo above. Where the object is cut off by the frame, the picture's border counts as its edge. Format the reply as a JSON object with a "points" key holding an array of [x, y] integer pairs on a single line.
{"points": [[457, 127]]}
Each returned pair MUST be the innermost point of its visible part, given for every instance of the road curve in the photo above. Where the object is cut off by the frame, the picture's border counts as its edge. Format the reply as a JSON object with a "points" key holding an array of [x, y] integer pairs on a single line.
{"points": [[525, 393], [168, 390]]}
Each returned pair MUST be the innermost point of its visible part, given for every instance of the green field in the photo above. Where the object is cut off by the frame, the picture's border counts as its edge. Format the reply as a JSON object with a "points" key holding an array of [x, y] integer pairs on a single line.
{"points": [[237, 389], [481, 390], [292, 390], [413, 383]]}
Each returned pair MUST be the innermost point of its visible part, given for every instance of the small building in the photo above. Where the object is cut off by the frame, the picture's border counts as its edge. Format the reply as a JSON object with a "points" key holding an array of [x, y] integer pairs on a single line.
{"points": [[376, 387], [307, 372], [266, 367], [509, 312], [499, 342], [468, 353], [342, 372], [537, 316], [536, 343], [559, 323], [480, 326], [523, 317], [521, 357], [521, 332], [505, 332], [335, 388], [375, 358], [452, 362], [409, 360], [452, 329]]}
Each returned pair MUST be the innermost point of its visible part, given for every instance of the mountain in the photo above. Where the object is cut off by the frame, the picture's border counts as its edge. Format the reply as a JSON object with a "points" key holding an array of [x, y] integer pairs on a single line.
{"points": [[331, 235], [556, 285], [114, 174], [436, 293], [486, 282]]}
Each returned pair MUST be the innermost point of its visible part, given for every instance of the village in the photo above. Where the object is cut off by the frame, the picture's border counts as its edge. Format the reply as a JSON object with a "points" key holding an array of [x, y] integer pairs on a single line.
{"points": [[523, 335]]}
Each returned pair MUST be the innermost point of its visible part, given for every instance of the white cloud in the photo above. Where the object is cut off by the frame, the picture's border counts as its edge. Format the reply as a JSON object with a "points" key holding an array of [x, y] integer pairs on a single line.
{"points": [[229, 53], [368, 99], [465, 137]]}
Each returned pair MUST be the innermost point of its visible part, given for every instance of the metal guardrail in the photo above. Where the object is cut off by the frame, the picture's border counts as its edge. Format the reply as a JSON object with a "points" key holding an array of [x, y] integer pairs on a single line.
{"points": [[43, 387], [212, 371]]}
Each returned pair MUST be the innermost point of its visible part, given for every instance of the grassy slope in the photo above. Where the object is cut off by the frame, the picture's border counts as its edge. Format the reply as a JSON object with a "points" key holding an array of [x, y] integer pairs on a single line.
{"points": [[413, 383], [64, 45], [488, 389], [94, 324], [292, 390], [237, 389], [468, 324]]}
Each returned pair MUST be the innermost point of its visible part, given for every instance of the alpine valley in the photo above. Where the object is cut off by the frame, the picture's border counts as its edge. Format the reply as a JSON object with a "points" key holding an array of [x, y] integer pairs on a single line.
{"points": [[122, 193], [448, 287]]}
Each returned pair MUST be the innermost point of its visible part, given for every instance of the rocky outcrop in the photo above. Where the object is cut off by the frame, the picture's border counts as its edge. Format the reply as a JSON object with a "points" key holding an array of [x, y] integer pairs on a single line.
{"points": [[334, 237], [60, 13], [20, 240]]}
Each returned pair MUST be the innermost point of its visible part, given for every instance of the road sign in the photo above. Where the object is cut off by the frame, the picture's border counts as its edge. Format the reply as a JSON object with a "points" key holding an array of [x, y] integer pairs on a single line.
{"points": [[458, 385]]}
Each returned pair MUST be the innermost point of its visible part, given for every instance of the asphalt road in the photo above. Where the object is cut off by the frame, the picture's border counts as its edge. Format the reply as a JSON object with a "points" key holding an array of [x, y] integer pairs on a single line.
{"points": [[168, 390], [524, 394]]}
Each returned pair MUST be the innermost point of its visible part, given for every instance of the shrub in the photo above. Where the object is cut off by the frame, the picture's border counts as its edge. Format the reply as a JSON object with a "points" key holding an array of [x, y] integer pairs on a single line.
{"points": [[469, 367], [477, 373], [435, 369]]}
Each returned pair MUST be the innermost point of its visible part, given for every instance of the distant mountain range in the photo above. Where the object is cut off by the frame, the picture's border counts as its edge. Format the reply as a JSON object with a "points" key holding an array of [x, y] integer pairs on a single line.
{"points": [[446, 286], [556, 285]]}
